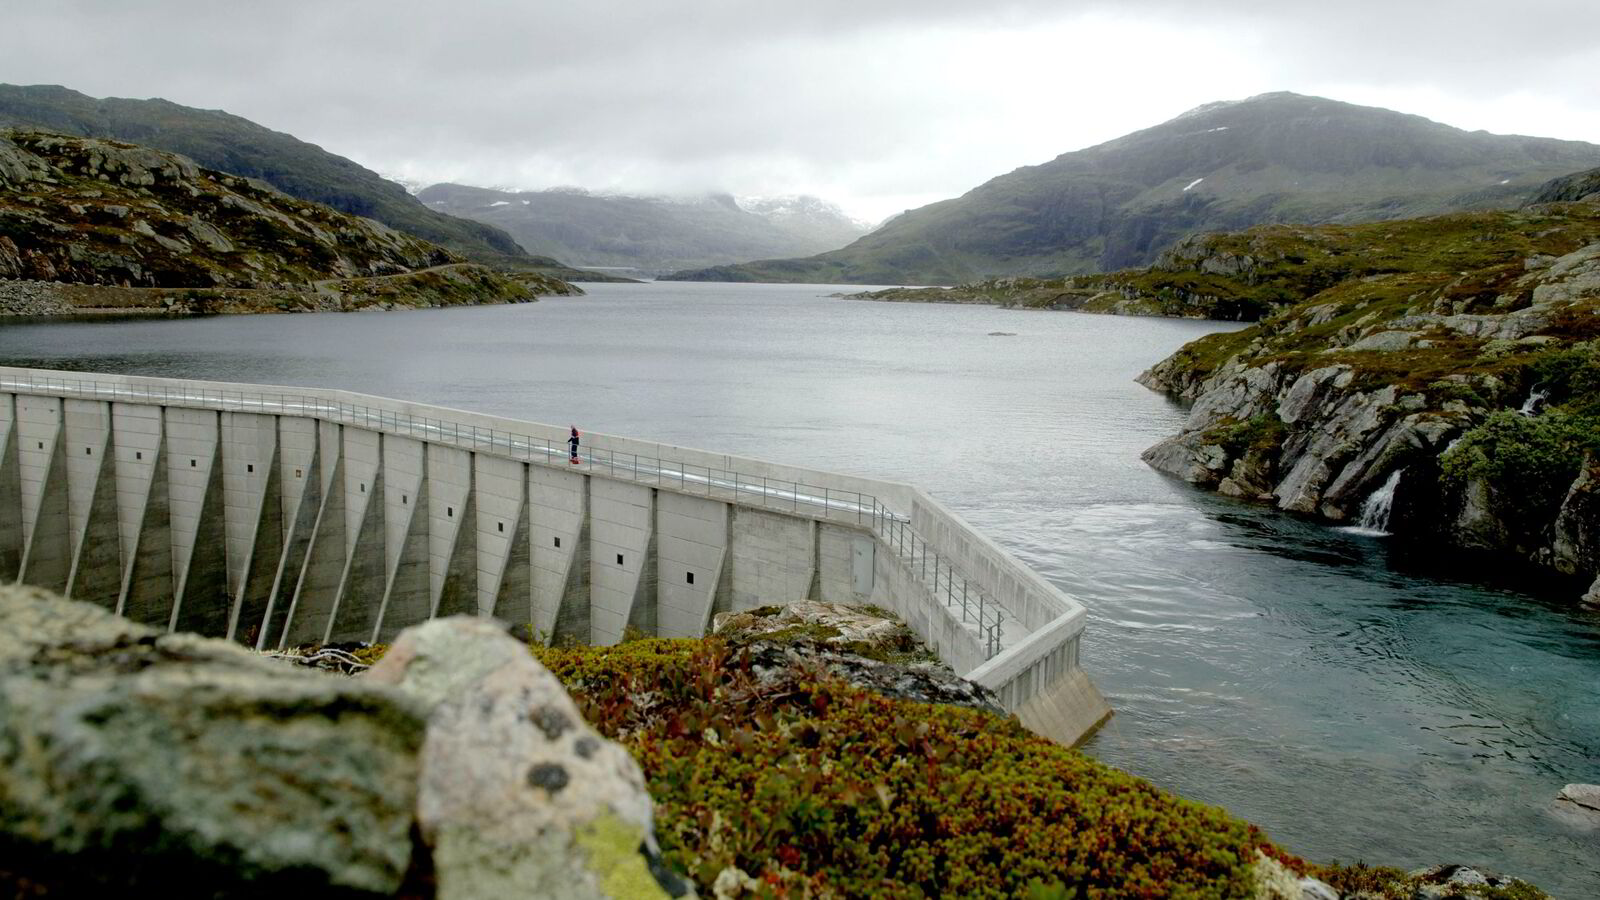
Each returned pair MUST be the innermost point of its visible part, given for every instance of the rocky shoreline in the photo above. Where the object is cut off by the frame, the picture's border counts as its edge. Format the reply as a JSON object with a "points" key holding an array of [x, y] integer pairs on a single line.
{"points": [[1451, 403], [455, 285]]}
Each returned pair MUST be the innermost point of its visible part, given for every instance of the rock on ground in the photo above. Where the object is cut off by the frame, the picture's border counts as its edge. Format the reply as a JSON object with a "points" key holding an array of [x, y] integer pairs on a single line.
{"points": [[1579, 805], [182, 766], [1276, 881], [834, 623], [861, 645], [519, 796], [179, 766], [1449, 882]]}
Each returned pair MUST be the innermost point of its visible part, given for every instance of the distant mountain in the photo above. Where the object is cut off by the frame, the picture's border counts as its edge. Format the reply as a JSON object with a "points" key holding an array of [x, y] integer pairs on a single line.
{"points": [[227, 143], [1274, 158], [652, 234]]}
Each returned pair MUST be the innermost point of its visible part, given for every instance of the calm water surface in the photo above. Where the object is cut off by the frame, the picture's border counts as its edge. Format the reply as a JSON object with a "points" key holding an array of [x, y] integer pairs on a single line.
{"points": [[1314, 682]]}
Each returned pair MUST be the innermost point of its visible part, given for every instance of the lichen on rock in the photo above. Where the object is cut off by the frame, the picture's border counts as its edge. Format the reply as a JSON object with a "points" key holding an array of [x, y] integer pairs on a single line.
{"points": [[519, 795]]}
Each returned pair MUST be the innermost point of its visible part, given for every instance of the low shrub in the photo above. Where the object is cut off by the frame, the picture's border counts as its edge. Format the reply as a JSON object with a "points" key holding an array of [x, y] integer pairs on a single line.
{"points": [[1570, 377], [1530, 461], [814, 787]]}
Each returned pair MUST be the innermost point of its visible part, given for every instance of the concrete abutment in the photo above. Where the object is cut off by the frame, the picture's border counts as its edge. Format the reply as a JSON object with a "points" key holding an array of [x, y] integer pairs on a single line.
{"points": [[278, 516]]}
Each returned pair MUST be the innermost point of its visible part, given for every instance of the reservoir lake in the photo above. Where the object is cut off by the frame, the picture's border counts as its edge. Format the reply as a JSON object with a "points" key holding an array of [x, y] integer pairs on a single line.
{"points": [[1356, 702]]}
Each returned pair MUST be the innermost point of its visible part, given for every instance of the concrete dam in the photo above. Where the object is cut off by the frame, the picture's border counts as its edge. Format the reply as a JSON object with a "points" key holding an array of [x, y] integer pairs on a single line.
{"points": [[278, 516]]}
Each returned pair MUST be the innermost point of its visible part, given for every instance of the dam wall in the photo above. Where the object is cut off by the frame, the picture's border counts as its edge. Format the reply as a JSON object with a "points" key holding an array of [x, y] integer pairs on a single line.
{"points": [[280, 516]]}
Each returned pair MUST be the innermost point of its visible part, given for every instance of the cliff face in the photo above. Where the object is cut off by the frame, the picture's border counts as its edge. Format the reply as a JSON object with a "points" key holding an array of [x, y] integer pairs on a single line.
{"points": [[1467, 362]]}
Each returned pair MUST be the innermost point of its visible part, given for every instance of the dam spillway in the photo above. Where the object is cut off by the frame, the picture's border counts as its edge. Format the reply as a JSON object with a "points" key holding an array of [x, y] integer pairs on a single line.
{"points": [[277, 516]]}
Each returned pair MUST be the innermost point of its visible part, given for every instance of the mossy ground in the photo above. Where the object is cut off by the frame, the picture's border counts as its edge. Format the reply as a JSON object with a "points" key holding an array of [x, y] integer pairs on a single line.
{"points": [[812, 787], [816, 787]]}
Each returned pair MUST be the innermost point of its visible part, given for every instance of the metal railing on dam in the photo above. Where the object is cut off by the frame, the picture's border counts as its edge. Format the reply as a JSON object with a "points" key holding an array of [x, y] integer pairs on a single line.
{"points": [[276, 516]]}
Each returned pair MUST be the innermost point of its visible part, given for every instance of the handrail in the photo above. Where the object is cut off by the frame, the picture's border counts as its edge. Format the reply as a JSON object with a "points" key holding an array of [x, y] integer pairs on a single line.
{"points": [[891, 528]]}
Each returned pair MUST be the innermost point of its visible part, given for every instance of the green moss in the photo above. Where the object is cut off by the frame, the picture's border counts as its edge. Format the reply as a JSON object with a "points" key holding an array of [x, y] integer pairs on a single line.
{"points": [[614, 858], [1262, 433]]}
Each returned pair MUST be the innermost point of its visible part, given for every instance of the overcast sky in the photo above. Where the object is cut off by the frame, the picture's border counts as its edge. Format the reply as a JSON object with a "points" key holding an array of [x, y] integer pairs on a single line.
{"points": [[877, 105]]}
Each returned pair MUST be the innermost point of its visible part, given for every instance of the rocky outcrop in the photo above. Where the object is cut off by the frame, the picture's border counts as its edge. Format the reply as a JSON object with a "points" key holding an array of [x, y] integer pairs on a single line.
{"points": [[93, 212], [228, 143], [105, 212], [1276, 881], [1318, 406], [862, 646], [185, 767], [1569, 188]]}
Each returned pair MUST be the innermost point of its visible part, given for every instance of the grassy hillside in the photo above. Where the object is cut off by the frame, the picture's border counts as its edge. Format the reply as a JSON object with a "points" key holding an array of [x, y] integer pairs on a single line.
{"points": [[1248, 275], [1225, 166]]}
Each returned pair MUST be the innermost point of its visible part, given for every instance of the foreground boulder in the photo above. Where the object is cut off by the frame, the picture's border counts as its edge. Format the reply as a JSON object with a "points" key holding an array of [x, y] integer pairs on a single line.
{"points": [[192, 767], [519, 795], [189, 767]]}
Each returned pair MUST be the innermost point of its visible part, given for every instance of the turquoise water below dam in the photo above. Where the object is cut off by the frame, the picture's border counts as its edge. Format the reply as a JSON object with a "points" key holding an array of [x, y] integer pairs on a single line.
{"points": [[1355, 700]]}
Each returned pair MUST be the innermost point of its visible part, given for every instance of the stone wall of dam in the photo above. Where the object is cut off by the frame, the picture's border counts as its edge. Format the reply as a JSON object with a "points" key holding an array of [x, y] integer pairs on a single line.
{"points": [[279, 516]]}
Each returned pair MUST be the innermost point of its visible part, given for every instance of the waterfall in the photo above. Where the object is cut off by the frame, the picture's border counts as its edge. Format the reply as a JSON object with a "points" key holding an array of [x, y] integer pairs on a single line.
{"points": [[1375, 511], [1531, 405]]}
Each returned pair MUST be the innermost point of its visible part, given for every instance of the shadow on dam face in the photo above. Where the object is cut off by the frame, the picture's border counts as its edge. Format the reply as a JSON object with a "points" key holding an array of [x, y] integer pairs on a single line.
{"points": [[280, 516]]}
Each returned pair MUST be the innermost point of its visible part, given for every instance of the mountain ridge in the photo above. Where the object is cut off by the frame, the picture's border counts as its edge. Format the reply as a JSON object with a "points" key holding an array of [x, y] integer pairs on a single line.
{"points": [[1276, 157], [229, 143], [655, 234]]}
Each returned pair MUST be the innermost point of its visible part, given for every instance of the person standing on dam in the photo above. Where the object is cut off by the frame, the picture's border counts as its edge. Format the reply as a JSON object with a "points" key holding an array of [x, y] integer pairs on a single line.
{"points": [[572, 446]]}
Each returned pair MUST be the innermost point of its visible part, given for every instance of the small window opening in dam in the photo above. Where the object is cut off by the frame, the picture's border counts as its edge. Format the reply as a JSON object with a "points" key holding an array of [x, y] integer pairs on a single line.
{"points": [[619, 559], [450, 511], [138, 454], [193, 463], [558, 543], [403, 499], [88, 451], [249, 467], [690, 576], [502, 526], [297, 473], [363, 487]]}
